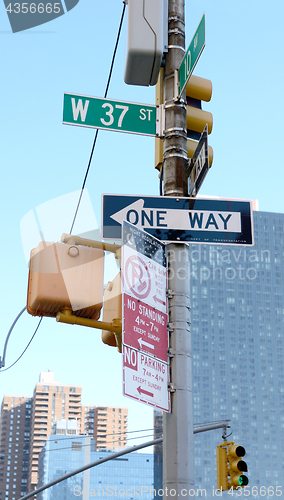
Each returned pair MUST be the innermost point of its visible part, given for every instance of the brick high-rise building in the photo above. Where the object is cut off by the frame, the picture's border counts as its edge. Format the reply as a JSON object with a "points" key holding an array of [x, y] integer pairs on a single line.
{"points": [[107, 425], [14, 447], [51, 401]]}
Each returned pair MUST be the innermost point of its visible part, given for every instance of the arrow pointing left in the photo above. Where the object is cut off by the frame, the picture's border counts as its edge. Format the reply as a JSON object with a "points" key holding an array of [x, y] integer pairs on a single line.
{"points": [[146, 344], [142, 391]]}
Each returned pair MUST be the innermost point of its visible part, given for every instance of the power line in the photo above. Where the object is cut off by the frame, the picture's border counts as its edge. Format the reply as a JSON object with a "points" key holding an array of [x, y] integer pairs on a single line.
{"points": [[97, 131], [123, 434], [97, 445], [32, 337], [2, 360]]}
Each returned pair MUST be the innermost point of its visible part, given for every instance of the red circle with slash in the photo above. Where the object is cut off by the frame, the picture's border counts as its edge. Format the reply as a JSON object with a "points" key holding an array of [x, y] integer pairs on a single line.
{"points": [[137, 277]]}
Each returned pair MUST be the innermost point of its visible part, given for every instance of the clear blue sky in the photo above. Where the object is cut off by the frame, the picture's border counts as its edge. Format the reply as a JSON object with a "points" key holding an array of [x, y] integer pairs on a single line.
{"points": [[42, 159]]}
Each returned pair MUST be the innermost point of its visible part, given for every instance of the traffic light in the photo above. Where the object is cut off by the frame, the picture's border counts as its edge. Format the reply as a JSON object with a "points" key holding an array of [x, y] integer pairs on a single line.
{"points": [[112, 311], [197, 90], [237, 466], [65, 277], [230, 466]]}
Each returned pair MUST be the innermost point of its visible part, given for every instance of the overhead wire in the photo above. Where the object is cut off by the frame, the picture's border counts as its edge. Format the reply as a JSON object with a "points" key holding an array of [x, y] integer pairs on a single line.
{"points": [[97, 131], [87, 171], [124, 435], [32, 337]]}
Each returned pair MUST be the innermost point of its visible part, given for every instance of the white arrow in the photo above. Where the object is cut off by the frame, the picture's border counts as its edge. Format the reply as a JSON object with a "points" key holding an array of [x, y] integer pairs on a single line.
{"points": [[140, 341], [193, 220]]}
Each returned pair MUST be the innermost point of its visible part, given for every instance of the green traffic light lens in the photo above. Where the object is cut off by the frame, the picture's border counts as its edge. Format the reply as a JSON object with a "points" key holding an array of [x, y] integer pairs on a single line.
{"points": [[243, 480]]}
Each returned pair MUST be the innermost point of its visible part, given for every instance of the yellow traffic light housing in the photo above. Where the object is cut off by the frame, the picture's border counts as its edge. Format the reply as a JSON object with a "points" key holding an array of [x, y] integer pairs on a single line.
{"points": [[230, 466], [197, 90], [222, 468], [237, 466], [66, 282], [112, 311]]}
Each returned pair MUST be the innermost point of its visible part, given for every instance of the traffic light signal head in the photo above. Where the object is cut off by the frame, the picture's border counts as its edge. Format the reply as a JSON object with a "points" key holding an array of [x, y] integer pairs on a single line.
{"points": [[230, 466], [112, 309], [237, 466], [197, 90], [64, 276]]}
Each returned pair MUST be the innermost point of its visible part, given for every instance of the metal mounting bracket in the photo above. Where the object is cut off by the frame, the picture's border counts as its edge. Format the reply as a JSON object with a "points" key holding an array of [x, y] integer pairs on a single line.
{"points": [[160, 121], [171, 387]]}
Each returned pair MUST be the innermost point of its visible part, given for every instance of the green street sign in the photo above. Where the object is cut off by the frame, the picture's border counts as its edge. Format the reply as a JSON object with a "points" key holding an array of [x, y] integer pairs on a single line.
{"points": [[107, 114], [191, 56]]}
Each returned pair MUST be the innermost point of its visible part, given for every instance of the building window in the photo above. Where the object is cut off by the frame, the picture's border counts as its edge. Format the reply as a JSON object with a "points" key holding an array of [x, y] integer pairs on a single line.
{"points": [[76, 446]]}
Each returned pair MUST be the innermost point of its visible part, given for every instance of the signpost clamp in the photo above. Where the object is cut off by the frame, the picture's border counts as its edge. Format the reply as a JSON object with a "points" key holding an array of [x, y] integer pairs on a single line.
{"points": [[160, 121], [170, 353], [177, 97], [170, 327]]}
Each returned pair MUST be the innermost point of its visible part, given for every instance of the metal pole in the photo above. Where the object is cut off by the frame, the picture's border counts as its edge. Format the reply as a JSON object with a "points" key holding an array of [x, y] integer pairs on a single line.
{"points": [[178, 458]]}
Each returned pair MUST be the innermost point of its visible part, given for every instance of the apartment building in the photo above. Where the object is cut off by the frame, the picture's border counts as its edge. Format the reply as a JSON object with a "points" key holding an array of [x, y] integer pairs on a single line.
{"points": [[107, 425], [14, 446], [51, 401]]}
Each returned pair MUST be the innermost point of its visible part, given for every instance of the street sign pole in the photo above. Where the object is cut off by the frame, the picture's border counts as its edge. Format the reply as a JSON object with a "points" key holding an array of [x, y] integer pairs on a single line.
{"points": [[178, 457]]}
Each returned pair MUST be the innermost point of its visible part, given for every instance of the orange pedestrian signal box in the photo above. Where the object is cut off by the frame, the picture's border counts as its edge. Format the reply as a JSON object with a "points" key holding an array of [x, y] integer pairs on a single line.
{"points": [[112, 308], [64, 276]]}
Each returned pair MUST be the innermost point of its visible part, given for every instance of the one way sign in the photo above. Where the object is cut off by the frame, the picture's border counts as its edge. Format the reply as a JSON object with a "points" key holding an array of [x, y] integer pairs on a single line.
{"points": [[196, 220]]}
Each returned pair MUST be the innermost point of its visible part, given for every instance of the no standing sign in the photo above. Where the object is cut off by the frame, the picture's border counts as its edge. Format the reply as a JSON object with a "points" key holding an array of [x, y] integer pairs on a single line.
{"points": [[144, 328]]}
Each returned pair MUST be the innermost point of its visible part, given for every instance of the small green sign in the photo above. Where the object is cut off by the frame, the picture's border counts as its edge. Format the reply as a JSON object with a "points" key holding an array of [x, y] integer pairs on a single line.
{"points": [[192, 55], [97, 112]]}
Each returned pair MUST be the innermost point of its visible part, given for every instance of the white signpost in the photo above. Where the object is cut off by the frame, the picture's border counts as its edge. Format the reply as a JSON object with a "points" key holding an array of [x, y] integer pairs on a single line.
{"points": [[144, 327]]}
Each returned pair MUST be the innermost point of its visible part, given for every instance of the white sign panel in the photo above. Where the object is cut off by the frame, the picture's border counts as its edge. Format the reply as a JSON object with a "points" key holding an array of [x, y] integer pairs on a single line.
{"points": [[145, 379]]}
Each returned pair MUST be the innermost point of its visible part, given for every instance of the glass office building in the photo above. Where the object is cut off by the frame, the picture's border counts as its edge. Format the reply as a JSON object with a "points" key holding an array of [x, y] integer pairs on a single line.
{"points": [[129, 476], [237, 324]]}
